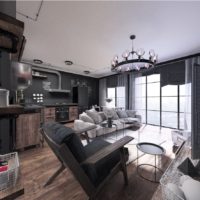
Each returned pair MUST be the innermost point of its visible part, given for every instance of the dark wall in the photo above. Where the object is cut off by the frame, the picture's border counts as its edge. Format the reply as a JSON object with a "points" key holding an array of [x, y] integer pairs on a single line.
{"points": [[9, 8], [68, 81]]}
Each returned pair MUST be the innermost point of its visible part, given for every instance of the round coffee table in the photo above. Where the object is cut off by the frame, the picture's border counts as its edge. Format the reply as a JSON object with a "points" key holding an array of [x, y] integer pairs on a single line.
{"points": [[152, 149]]}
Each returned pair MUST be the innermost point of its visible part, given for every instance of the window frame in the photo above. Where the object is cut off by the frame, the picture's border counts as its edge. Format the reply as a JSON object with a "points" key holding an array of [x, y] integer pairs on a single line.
{"points": [[178, 112]]}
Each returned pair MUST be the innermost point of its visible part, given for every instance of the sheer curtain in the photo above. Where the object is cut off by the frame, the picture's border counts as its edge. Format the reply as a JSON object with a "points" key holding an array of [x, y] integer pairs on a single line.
{"points": [[137, 94], [122, 91], [132, 91]]}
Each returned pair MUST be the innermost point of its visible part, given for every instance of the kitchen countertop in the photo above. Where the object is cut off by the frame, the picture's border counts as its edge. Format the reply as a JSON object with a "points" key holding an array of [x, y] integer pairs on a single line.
{"points": [[57, 105], [32, 108], [16, 109], [11, 110]]}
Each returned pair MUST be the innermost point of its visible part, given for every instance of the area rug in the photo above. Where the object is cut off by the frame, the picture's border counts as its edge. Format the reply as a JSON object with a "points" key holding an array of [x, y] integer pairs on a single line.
{"points": [[139, 188], [145, 134]]}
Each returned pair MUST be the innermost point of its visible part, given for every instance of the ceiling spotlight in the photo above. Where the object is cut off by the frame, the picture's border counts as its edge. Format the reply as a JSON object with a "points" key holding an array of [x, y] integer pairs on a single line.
{"points": [[86, 72], [37, 61], [68, 62]]}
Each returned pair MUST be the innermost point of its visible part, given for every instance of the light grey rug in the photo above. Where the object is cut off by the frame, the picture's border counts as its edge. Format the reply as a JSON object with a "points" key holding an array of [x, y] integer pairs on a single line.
{"points": [[146, 133]]}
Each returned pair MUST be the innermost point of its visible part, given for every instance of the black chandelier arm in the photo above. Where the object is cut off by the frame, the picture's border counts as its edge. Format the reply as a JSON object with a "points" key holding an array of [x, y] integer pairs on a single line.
{"points": [[133, 61], [133, 64]]}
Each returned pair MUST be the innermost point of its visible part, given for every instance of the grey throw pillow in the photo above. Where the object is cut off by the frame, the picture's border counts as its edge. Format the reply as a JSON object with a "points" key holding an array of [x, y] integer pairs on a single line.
{"points": [[94, 115], [86, 118], [110, 113], [122, 114], [131, 113], [102, 115], [175, 190], [191, 189]]}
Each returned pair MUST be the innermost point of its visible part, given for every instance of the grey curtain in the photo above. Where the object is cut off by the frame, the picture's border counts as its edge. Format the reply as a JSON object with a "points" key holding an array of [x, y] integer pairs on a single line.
{"points": [[188, 90], [122, 81], [102, 92], [173, 74], [132, 89], [111, 81]]}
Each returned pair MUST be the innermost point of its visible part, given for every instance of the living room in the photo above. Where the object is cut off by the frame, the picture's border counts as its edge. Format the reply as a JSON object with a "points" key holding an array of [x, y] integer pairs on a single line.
{"points": [[90, 89]]}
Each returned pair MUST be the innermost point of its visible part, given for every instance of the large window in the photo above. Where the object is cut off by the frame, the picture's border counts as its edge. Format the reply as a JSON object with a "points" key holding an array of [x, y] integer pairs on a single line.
{"points": [[120, 97], [140, 97], [117, 94], [162, 106], [170, 106], [185, 111], [111, 95], [153, 99]]}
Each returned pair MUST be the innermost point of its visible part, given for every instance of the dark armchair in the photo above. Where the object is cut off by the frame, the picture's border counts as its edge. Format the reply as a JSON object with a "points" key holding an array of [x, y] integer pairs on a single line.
{"points": [[92, 165]]}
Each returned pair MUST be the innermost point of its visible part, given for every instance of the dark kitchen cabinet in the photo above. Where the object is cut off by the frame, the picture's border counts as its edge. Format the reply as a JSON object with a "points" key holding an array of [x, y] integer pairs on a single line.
{"points": [[80, 96]]}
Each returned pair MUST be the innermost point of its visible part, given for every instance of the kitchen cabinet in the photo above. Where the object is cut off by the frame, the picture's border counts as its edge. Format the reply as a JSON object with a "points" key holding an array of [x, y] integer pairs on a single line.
{"points": [[49, 114], [27, 130], [73, 113], [80, 96]]}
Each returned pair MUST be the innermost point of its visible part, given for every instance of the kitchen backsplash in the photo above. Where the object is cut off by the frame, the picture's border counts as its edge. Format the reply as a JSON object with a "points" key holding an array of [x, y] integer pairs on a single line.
{"points": [[38, 94]]}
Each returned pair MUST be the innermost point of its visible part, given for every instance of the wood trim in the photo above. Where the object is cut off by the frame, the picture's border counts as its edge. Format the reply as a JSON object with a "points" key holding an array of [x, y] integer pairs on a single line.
{"points": [[11, 20]]}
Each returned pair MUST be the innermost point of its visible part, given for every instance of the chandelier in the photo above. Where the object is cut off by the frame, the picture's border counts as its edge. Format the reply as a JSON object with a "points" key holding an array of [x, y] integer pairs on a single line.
{"points": [[133, 60]]}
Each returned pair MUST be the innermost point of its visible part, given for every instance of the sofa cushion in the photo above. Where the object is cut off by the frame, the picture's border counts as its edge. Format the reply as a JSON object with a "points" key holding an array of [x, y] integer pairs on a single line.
{"points": [[110, 112], [177, 191], [119, 124], [99, 130], [102, 115], [79, 125], [191, 189], [183, 179], [133, 120], [94, 115], [122, 114], [131, 113], [86, 118]]}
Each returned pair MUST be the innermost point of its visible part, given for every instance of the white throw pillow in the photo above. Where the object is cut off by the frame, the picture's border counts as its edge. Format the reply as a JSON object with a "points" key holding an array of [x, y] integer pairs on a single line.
{"points": [[110, 112], [94, 115], [191, 189], [86, 118], [183, 179], [175, 190]]}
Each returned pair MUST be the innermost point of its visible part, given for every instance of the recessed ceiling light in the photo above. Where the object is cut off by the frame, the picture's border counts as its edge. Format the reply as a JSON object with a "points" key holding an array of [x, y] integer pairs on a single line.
{"points": [[37, 61], [68, 62], [86, 72]]}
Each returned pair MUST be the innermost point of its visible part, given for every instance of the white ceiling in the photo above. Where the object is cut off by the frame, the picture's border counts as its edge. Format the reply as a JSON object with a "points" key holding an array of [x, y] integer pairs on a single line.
{"points": [[91, 33]]}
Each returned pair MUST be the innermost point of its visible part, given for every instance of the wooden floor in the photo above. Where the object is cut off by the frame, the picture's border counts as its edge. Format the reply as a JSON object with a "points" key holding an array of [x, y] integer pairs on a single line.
{"points": [[39, 163]]}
